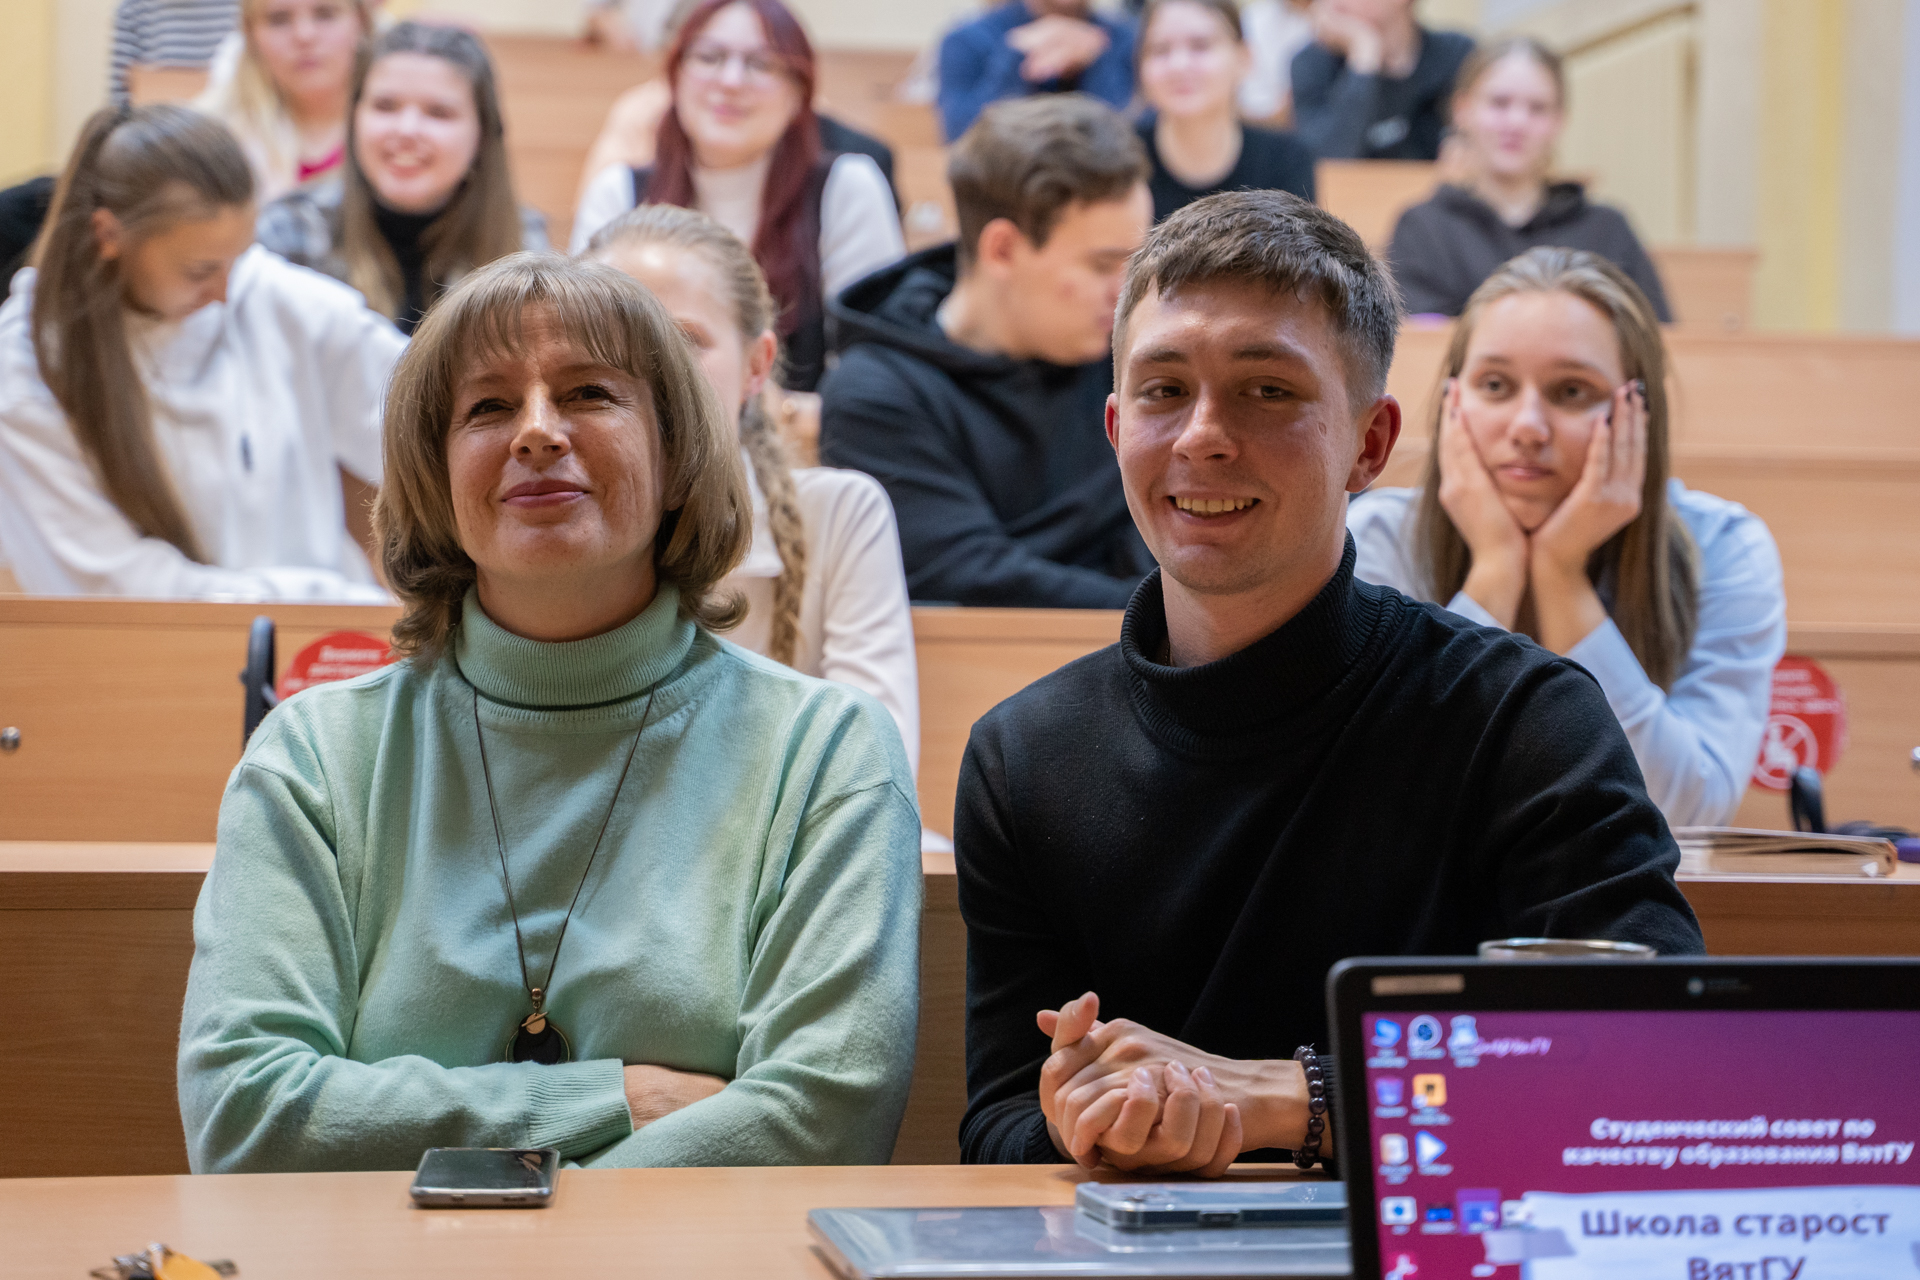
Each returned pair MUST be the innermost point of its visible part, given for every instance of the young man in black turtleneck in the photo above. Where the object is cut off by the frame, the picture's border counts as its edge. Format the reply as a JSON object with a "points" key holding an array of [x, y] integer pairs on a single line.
{"points": [[1278, 766]]}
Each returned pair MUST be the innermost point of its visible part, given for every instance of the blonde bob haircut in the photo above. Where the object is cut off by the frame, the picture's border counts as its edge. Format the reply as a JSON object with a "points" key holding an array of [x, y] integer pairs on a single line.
{"points": [[615, 322]]}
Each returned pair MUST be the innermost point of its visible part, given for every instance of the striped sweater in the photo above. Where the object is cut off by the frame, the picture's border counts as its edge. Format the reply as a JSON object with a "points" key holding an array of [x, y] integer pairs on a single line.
{"points": [[167, 33]]}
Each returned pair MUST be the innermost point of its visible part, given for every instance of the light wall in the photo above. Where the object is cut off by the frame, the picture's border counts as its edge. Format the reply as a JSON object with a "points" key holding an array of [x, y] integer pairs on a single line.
{"points": [[1789, 125], [26, 90]]}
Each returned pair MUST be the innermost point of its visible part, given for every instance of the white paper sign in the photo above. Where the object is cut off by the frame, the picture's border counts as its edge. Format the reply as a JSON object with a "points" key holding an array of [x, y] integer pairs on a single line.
{"points": [[1775, 1233]]}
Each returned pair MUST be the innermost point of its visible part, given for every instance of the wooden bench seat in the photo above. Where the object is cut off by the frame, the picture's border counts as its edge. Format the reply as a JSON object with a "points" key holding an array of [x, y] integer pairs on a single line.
{"points": [[129, 711]]}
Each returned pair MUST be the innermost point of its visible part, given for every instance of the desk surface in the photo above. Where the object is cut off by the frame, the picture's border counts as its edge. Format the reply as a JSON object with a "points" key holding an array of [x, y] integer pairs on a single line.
{"points": [[710, 1223]]}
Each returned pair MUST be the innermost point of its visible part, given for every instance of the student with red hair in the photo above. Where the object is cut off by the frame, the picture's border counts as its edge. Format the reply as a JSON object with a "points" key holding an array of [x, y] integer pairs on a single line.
{"points": [[742, 145]]}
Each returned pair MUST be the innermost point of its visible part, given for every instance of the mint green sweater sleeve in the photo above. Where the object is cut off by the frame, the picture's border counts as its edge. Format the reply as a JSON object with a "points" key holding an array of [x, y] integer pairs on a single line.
{"points": [[271, 1009], [753, 914], [823, 1070]]}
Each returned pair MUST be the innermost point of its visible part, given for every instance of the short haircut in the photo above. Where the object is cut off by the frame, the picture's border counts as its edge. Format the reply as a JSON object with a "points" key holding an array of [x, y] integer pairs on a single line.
{"points": [[1029, 159], [1225, 10], [615, 322], [1287, 245]]}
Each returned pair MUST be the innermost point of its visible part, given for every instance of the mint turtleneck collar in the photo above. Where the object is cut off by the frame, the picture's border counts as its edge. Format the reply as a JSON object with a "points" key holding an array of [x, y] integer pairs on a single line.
{"points": [[620, 664]]}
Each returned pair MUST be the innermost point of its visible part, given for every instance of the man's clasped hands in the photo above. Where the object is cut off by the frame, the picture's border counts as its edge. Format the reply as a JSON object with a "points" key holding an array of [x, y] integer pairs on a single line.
{"points": [[1127, 1095]]}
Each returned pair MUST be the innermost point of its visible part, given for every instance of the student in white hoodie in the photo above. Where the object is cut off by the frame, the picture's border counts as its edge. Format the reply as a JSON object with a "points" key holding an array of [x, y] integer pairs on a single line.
{"points": [[825, 590], [179, 408]]}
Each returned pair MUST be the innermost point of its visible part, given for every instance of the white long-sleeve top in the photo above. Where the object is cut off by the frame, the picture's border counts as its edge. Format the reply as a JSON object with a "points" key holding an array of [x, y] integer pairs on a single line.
{"points": [[1697, 742], [859, 224], [856, 626], [257, 403]]}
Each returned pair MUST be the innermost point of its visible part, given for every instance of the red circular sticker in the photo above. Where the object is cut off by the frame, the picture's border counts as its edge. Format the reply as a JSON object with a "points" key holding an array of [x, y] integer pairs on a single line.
{"points": [[339, 656], [1807, 726]]}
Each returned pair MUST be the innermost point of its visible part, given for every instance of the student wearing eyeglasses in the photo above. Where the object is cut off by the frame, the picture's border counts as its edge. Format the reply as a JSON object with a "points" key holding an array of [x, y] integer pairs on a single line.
{"points": [[742, 145]]}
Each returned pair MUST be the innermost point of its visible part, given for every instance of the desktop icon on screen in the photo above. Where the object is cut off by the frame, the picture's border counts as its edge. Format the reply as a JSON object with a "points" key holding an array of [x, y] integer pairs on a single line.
{"points": [[1404, 1268], [1393, 1148], [1399, 1211], [1424, 1034], [1427, 1148], [1386, 1033], [1430, 1090], [1389, 1091], [1479, 1209]]}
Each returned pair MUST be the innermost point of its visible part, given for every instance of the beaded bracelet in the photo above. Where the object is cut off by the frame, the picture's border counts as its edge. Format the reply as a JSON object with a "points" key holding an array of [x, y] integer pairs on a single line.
{"points": [[1307, 1155]]}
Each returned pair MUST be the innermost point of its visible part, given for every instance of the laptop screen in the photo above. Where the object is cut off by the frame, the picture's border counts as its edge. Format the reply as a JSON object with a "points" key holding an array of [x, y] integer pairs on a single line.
{"points": [[1691, 1145]]}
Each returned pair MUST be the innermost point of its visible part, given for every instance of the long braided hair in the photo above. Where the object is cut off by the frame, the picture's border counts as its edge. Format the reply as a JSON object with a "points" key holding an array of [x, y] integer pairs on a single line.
{"points": [[754, 312]]}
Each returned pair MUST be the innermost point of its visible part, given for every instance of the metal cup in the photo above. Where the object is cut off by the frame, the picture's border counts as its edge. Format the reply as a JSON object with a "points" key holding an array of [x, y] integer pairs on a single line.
{"points": [[1563, 949]]}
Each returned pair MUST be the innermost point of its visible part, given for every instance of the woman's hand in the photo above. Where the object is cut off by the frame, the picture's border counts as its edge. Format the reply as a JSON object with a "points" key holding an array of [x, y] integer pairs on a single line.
{"points": [[1605, 500], [656, 1092], [1497, 579]]}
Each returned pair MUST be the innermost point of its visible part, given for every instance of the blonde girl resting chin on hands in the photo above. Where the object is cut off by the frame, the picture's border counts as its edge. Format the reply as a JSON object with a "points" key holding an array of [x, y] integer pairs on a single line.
{"points": [[1547, 509]]}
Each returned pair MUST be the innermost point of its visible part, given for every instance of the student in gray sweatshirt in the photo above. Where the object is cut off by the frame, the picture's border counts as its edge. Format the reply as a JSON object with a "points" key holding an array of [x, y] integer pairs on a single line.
{"points": [[1507, 116]]}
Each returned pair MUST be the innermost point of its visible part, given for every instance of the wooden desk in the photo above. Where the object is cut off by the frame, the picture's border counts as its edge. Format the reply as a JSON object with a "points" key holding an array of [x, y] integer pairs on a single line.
{"points": [[1370, 195], [710, 1223], [1808, 915], [101, 935], [97, 938], [972, 659], [129, 711], [1709, 287]]}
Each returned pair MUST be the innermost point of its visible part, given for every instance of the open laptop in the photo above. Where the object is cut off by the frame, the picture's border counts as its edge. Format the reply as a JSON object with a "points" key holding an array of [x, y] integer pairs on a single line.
{"points": [[1682, 1119]]}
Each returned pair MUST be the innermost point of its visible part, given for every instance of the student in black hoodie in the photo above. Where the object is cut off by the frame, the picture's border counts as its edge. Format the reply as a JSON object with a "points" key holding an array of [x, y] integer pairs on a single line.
{"points": [[972, 376], [1507, 114], [1164, 846]]}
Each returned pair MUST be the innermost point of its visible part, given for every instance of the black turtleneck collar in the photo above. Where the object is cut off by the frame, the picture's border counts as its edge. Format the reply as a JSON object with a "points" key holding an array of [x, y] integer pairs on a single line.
{"points": [[1233, 705], [404, 233]]}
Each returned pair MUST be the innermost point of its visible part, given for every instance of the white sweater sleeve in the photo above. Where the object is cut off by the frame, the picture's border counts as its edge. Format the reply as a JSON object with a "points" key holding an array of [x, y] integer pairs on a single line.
{"points": [[66, 537], [609, 195], [859, 224], [1697, 742], [866, 635], [357, 349]]}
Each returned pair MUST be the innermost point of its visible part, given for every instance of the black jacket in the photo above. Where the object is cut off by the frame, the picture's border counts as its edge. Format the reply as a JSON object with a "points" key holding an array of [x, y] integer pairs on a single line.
{"points": [[1002, 480], [1344, 115], [1269, 161], [1445, 246], [22, 210], [1200, 845]]}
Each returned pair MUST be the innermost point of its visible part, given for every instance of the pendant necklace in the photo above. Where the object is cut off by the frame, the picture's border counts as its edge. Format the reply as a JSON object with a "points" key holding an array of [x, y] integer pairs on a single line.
{"points": [[538, 1038]]}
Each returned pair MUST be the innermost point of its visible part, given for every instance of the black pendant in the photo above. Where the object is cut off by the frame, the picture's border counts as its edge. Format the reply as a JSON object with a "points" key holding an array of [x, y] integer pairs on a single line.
{"points": [[539, 1040]]}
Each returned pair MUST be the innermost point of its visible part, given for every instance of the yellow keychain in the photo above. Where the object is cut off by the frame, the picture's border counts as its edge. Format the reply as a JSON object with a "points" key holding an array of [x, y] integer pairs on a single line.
{"points": [[165, 1264]]}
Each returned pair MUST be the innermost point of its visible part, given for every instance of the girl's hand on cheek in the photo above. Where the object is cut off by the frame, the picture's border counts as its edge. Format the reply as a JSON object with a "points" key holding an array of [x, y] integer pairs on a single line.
{"points": [[1499, 546], [1606, 499]]}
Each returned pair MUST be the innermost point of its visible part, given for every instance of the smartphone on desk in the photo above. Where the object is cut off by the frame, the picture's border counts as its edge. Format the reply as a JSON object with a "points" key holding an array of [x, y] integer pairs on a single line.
{"points": [[486, 1178]]}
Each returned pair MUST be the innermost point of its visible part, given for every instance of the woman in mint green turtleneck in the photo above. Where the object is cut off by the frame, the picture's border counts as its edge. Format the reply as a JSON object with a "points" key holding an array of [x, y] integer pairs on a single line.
{"points": [[737, 978]]}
